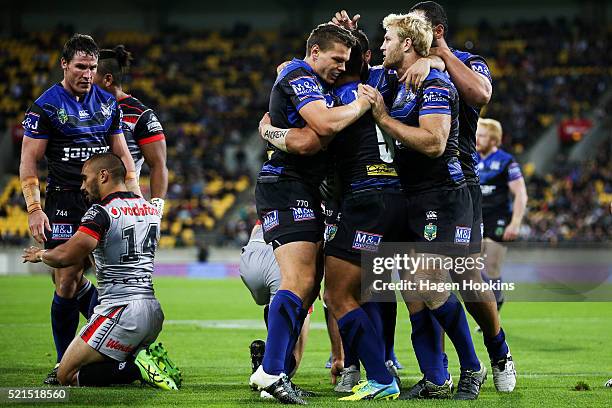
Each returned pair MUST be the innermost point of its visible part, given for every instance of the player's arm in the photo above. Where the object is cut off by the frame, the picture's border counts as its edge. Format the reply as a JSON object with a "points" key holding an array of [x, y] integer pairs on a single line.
{"points": [[155, 156], [519, 206], [326, 121], [33, 147], [429, 138], [73, 252], [298, 141], [416, 74], [474, 88], [119, 146]]}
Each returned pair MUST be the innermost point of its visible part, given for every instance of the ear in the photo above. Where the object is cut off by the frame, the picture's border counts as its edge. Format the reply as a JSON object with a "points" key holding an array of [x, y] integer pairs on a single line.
{"points": [[407, 44], [438, 31], [103, 176], [64, 63], [315, 50], [108, 80], [367, 56]]}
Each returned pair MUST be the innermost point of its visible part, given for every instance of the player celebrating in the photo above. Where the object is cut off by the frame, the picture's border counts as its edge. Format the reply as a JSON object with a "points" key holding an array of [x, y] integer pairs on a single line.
{"points": [[470, 74], [123, 231], [287, 197], [371, 212], [261, 275], [500, 177], [143, 132], [67, 124], [425, 123]]}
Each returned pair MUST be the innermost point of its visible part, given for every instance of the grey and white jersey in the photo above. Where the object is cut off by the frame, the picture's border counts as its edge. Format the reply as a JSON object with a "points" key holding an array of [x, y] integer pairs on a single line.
{"points": [[127, 228]]}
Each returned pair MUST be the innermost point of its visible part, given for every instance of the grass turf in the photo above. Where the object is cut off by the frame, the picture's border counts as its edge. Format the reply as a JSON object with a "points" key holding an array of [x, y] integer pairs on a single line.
{"points": [[555, 346]]}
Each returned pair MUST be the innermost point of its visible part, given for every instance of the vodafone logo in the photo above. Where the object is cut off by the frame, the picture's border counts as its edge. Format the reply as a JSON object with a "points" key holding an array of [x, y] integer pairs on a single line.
{"points": [[114, 212], [139, 210]]}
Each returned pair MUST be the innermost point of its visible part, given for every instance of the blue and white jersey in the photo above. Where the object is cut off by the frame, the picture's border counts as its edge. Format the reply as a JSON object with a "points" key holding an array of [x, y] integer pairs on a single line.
{"points": [[496, 171], [75, 130], [418, 172], [296, 86], [468, 120]]}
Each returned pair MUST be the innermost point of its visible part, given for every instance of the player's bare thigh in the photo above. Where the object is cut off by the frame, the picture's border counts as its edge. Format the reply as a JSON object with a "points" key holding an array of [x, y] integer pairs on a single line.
{"points": [[77, 355], [298, 266], [342, 285]]}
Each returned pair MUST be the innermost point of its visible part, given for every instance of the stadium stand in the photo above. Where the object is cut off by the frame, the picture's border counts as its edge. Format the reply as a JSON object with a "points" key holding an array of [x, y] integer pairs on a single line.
{"points": [[209, 89]]}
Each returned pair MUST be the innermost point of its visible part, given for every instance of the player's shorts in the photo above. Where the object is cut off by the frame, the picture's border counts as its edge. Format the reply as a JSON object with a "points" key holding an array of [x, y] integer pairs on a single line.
{"points": [[260, 272], [64, 210], [331, 210], [442, 218], [495, 224], [120, 330], [477, 223], [368, 218], [289, 210]]}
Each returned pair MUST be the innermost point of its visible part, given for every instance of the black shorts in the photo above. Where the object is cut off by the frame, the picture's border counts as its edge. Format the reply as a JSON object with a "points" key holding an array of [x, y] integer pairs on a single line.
{"points": [[477, 223], [64, 210], [495, 224], [367, 219], [289, 210], [440, 221]]}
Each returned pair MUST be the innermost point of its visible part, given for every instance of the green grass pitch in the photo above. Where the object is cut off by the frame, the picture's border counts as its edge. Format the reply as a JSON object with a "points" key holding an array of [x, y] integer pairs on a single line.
{"points": [[210, 324]]}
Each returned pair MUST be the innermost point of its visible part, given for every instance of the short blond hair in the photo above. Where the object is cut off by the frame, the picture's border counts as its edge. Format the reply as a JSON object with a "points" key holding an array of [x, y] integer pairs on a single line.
{"points": [[493, 127], [414, 26]]}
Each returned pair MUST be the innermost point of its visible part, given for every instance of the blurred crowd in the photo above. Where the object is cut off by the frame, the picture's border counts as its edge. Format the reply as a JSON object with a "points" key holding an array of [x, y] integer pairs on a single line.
{"points": [[209, 89]]}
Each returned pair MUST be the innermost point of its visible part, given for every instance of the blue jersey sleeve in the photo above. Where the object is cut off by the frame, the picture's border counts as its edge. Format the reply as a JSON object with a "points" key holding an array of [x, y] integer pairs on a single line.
{"points": [[479, 65], [513, 171], [302, 87], [436, 100], [36, 123], [115, 127]]}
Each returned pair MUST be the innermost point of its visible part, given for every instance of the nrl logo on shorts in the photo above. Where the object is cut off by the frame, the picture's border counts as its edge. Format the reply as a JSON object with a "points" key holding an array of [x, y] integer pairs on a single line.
{"points": [[62, 116], [431, 232], [330, 232]]}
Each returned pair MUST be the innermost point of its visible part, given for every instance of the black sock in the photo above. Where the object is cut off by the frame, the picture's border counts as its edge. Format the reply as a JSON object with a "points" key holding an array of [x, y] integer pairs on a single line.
{"points": [[88, 299], [107, 373], [64, 322]]}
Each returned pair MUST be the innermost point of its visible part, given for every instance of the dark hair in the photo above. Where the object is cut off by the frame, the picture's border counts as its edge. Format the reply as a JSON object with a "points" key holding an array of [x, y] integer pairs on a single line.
{"points": [[327, 34], [115, 62], [80, 43], [355, 63], [362, 40], [434, 12], [110, 162]]}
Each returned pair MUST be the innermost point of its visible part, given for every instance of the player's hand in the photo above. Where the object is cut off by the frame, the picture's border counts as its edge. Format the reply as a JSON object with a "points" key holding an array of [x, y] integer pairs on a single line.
{"points": [[379, 108], [38, 222], [336, 370], [32, 254], [416, 74], [265, 120], [511, 232], [342, 19]]}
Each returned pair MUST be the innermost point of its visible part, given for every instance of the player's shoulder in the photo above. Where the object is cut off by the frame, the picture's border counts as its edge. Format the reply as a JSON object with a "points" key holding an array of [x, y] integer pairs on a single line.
{"points": [[294, 69], [95, 213], [131, 101], [504, 156], [99, 95], [466, 56], [51, 96], [438, 79]]}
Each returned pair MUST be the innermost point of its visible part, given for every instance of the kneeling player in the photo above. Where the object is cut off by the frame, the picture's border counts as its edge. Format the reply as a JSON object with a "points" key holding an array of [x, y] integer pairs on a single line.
{"points": [[122, 230], [500, 177], [261, 275]]}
